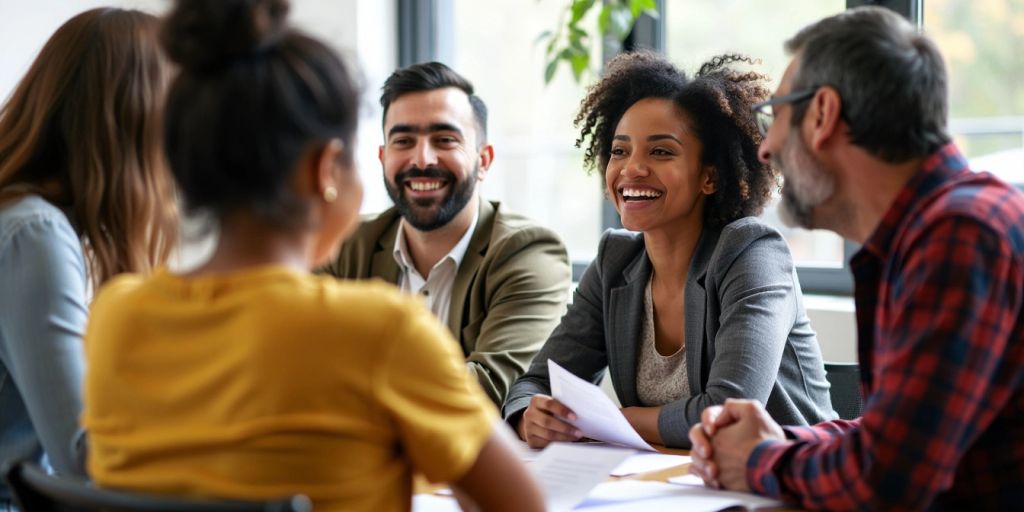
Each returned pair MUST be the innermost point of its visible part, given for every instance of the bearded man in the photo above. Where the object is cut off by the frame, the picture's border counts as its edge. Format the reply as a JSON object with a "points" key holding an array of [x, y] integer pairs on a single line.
{"points": [[497, 280]]}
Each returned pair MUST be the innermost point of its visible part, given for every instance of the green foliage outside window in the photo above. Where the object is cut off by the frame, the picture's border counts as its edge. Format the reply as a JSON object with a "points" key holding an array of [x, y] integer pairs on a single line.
{"points": [[572, 40], [982, 42]]}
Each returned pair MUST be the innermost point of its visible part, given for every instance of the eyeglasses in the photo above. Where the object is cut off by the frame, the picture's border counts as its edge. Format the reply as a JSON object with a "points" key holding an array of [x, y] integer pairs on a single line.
{"points": [[765, 114]]}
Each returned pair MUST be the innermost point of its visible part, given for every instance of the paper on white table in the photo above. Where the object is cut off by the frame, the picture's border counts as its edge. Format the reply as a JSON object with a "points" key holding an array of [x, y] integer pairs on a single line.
{"points": [[687, 480], [567, 472], [747, 500], [526, 454], [631, 495], [431, 503], [644, 462], [596, 416]]}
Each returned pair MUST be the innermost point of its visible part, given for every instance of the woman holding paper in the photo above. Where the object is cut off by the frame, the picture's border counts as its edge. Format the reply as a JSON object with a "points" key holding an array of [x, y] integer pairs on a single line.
{"points": [[699, 301]]}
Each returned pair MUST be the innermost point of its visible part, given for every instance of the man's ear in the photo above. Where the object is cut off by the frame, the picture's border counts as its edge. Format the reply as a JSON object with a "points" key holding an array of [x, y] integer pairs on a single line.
{"points": [[825, 115], [484, 158], [710, 183], [380, 154]]}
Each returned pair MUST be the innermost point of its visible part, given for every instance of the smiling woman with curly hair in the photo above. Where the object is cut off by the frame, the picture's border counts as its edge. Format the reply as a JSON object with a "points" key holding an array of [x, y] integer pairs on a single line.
{"points": [[698, 302]]}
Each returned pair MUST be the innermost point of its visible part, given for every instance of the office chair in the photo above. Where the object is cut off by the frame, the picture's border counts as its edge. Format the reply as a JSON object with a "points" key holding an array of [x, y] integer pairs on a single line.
{"points": [[845, 391], [36, 491]]}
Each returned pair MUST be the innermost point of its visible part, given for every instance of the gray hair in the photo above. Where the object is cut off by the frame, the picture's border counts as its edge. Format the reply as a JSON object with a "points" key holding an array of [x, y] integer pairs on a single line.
{"points": [[891, 78]]}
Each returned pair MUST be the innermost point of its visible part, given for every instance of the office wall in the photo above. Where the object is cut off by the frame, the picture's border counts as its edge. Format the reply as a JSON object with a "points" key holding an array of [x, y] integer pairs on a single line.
{"points": [[363, 32], [833, 321]]}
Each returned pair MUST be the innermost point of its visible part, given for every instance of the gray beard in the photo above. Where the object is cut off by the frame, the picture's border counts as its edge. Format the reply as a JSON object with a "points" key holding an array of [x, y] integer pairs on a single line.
{"points": [[807, 184]]}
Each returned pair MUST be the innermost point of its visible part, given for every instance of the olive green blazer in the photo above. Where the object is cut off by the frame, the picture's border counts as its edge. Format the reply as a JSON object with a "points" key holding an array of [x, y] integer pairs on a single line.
{"points": [[509, 293]]}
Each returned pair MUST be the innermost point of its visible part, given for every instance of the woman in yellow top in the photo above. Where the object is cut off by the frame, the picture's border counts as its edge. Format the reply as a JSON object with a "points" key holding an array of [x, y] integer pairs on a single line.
{"points": [[250, 378]]}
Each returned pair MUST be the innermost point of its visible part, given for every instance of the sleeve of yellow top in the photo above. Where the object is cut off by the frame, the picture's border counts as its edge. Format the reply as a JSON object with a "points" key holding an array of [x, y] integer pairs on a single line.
{"points": [[442, 416]]}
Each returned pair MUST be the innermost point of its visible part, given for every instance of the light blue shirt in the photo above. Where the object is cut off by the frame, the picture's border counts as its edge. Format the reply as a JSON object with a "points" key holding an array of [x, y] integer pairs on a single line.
{"points": [[43, 295]]}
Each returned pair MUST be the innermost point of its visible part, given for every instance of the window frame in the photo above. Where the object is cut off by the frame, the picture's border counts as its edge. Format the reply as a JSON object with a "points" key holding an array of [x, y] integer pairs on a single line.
{"points": [[425, 34]]}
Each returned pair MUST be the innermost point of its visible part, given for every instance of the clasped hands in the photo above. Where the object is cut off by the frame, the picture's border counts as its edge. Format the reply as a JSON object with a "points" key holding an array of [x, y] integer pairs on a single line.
{"points": [[724, 439]]}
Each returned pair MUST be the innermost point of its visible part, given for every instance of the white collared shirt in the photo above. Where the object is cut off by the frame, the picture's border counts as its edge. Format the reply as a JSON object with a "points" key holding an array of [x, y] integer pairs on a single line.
{"points": [[436, 289]]}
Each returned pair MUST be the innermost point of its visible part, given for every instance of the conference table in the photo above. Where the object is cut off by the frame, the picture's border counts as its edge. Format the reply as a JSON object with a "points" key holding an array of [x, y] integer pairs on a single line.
{"points": [[422, 487]]}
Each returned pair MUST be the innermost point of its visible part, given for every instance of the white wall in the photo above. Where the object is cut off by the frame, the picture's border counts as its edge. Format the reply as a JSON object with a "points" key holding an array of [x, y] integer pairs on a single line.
{"points": [[363, 32], [26, 25], [832, 319]]}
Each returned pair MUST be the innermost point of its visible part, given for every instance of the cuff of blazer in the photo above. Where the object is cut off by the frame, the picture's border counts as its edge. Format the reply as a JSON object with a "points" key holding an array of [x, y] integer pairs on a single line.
{"points": [[514, 408], [673, 425]]}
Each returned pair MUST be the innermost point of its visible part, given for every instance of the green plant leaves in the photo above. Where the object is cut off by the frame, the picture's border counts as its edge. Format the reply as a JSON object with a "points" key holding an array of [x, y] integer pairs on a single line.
{"points": [[571, 42]]}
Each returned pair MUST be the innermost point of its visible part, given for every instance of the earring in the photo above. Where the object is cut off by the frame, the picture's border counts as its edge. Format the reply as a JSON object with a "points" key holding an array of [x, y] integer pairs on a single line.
{"points": [[330, 193]]}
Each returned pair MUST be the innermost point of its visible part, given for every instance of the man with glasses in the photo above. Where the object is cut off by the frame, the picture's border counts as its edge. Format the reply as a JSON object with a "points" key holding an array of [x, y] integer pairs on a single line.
{"points": [[858, 128]]}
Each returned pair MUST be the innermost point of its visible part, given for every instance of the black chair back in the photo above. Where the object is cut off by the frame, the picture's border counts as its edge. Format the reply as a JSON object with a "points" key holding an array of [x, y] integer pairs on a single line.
{"points": [[36, 491], [845, 392]]}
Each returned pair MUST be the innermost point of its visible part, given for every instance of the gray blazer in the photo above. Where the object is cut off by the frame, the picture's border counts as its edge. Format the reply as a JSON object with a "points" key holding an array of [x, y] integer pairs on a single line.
{"points": [[746, 332]]}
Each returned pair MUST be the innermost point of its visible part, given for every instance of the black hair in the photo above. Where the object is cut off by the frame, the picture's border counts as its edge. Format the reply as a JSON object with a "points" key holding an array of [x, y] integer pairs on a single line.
{"points": [[431, 76], [891, 79], [718, 101], [252, 95]]}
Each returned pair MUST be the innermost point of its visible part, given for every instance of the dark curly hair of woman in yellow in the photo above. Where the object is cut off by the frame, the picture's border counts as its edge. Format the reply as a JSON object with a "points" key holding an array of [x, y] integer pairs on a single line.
{"points": [[718, 99]]}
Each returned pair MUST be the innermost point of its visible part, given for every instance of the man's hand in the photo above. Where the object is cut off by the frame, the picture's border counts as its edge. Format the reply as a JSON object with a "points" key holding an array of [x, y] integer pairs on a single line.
{"points": [[701, 449], [541, 425], [724, 440]]}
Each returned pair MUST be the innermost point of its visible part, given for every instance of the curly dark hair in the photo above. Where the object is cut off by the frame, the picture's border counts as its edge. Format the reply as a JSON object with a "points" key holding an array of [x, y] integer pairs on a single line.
{"points": [[718, 100]]}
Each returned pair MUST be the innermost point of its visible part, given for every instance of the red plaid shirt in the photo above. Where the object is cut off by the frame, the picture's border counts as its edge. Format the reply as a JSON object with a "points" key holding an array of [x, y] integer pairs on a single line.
{"points": [[940, 321]]}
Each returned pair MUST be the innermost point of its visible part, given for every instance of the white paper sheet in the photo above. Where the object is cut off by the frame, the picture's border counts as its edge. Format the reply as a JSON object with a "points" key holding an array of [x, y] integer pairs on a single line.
{"points": [[687, 480], [748, 500], [633, 495], [567, 472], [645, 462], [431, 503], [596, 416], [526, 454]]}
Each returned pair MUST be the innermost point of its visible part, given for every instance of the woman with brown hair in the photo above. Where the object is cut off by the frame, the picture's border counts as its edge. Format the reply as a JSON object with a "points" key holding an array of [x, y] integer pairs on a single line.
{"points": [[84, 195]]}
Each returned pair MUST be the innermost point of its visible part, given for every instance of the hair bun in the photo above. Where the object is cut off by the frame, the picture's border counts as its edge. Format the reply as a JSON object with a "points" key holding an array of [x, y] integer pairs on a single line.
{"points": [[207, 35]]}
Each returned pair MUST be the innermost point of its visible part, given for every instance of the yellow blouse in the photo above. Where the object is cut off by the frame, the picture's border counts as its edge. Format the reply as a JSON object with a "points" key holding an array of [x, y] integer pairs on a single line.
{"points": [[270, 382]]}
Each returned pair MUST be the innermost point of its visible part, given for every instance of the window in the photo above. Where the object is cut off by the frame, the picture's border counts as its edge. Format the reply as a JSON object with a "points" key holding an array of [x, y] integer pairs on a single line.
{"points": [[537, 169], [981, 42], [697, 31]]}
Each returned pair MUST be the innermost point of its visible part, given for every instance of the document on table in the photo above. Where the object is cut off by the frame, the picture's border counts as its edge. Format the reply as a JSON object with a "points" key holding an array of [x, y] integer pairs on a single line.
{"points": [[644, 462], [750, 501], [596, 416], [526, 454], [687, 480], [632, 495], [431, 503], [567, 471]]}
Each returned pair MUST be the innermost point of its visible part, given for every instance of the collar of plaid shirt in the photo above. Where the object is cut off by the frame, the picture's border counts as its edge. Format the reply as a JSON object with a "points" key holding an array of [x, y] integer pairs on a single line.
{"points": [[936, 171]]}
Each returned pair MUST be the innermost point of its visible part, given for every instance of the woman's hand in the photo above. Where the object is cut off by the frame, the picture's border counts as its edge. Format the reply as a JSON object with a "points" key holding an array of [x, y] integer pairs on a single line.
{"points": [[541, 423]]}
